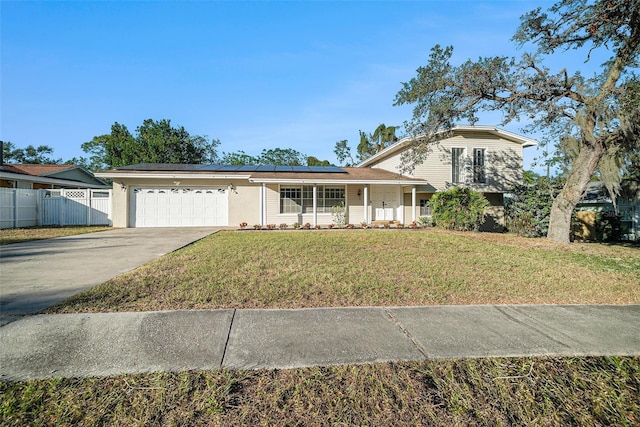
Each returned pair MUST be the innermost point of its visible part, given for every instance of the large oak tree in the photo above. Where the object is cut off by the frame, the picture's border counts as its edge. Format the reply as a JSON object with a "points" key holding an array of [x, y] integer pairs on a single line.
{"points": [[591, 119]]}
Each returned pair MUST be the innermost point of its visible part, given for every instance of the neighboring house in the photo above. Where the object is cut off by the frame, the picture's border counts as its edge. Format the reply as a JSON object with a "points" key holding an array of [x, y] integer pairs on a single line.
{"points": [[596, 199], [36, 176], [165, 195]]}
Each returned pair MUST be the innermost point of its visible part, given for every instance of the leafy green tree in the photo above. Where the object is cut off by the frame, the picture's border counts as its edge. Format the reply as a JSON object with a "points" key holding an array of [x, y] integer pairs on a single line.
{"points": [[153, 142], [273, 156], [529, 177], [458, 208], [28, 155], [370, 144], [283, 157], [528, 206], [239, 158], [314, 161], [585, 117], [343, 153]]}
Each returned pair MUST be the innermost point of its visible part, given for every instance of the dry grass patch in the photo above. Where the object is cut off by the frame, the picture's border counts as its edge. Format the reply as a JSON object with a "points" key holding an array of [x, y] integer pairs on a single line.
{"points": [[502, 391], [19, 235], [369, 268]]}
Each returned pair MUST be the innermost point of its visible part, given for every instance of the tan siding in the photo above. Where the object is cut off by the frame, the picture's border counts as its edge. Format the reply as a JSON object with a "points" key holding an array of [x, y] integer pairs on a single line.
{"points": [[407, 204], [392, 163], [503, 161], [273, 208]]}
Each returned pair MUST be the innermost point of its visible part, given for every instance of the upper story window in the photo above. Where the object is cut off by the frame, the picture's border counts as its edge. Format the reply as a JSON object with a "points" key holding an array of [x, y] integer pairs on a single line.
{"points": [[479, 172], [300, 199], [457, 165]]}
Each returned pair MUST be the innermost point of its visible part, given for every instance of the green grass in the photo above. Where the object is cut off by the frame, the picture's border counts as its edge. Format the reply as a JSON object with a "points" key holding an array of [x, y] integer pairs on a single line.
{"points": [[501, 391], [369, 268], [20, 235], [342, 268]]}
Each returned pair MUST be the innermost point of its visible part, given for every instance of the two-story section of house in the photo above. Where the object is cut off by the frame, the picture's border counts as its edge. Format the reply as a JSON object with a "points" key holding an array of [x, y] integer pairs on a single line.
{"points": [[484, 158], [164, 195]]}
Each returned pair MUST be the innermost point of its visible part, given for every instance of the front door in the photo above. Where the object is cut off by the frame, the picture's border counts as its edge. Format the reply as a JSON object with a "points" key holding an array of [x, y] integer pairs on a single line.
{"points": [[385, 201]]}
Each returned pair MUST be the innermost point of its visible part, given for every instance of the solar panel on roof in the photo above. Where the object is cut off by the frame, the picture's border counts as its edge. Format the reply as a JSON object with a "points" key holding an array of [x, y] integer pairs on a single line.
{"points": [[226, 168], [231, 168], [208, 168], [327, 169]]}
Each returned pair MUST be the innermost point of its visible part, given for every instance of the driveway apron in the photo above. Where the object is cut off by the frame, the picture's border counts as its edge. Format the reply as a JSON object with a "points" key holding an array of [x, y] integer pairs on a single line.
{"points": [[37, 274]]}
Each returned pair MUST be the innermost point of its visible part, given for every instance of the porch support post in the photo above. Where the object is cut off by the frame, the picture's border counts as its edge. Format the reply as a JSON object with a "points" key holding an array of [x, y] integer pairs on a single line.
{"points": [[366, 203], [315, 205], [263, 204], [413, 203]]}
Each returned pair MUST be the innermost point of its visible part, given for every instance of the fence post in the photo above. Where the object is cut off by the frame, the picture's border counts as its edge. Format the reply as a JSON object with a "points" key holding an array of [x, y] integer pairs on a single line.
{"points": [[15, 208], [88, 201], [39, 213], [63, 199]]}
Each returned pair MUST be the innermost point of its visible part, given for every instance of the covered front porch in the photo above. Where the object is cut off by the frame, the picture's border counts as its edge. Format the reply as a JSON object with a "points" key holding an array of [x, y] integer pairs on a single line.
{"points": [[318, 203]]}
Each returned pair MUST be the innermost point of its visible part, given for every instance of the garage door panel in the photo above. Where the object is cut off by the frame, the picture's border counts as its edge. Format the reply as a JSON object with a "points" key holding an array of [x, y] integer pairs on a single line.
{"points": [[179, 207]]}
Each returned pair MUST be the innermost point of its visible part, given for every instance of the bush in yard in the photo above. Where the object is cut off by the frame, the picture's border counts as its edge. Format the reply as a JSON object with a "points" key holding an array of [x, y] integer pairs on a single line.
{"points": [[339, 215], [424, 221], [608, 226], [528, 207], [459, 208]]}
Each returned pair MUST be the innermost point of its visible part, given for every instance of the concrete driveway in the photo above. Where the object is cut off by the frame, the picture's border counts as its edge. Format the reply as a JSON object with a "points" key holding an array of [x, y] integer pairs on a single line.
{"points": [[37, 274]]}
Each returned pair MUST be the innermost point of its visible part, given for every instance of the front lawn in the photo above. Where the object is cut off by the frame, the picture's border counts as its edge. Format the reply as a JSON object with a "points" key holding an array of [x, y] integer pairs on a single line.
{"points": [[292, 269], [19, 235]]}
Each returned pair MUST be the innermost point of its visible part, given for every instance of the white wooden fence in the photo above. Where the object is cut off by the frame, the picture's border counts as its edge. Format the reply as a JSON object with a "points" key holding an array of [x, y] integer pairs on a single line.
{"points": [[29, 208]]}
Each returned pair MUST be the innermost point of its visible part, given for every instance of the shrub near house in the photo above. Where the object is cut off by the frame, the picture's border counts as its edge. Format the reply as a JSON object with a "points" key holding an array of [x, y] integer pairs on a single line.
{"points": [[459, 208]]}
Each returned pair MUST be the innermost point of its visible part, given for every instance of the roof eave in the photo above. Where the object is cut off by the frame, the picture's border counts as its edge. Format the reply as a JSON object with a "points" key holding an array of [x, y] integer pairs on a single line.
{"points": [[46, 180], [114, 175], [337, 181], [526, 142]]}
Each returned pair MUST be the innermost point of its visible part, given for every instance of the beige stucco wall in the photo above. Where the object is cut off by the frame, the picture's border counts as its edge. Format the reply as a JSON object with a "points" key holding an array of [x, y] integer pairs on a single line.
{"points": [[503, 161], [244, 199]]}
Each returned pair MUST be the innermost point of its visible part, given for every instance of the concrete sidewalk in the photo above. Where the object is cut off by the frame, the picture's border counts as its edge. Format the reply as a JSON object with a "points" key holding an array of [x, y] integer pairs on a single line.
{"points": [[84, 345]]}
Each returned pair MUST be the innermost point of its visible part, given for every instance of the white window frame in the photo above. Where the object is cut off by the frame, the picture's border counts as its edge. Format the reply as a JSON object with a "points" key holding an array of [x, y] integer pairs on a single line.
{"points": [[304, 203], [290, 202], [485, 156], [460, 165], [425, 209]]}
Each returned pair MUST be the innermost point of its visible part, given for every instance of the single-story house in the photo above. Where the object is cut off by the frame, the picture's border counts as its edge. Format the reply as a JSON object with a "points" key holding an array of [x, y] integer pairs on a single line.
{"points": [[485, 158], [37, 176]]}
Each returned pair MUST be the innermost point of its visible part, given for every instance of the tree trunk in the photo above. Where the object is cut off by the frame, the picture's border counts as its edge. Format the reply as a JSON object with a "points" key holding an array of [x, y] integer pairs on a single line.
{"points": [[577, 180]]}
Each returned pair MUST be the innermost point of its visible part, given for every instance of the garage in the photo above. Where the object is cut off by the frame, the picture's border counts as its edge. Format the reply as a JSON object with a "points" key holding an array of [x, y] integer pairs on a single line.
{"points": [[179, 207]]}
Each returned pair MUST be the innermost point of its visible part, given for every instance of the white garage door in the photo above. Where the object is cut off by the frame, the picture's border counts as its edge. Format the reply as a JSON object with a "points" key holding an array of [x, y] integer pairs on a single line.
{"points": [[179, 207]]}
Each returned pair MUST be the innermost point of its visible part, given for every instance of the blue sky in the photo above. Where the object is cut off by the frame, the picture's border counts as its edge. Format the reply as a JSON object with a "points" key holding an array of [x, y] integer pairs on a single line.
{"points": [[255, 75]]}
